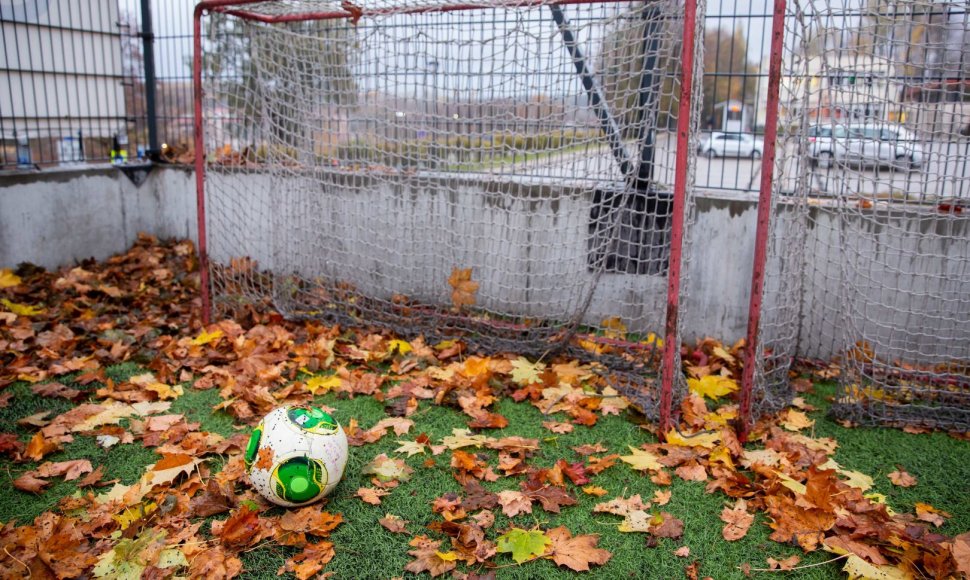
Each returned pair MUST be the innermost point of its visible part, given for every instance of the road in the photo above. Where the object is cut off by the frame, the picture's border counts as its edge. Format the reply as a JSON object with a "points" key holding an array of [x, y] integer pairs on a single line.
{"points": [[946, 174]]}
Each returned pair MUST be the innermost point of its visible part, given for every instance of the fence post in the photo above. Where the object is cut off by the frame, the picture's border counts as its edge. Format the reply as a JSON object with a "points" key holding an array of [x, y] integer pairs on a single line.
{"points": [[671, 336], [764, 219], [148, 55]]}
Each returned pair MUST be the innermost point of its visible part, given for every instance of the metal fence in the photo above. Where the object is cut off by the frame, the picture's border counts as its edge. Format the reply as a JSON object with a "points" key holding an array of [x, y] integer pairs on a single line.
{"points": [[81, 80]]}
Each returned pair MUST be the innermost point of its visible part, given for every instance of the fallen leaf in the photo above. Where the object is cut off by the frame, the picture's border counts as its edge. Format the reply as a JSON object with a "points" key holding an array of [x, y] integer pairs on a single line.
{"points": [[70, 470], [736, 520], [712, 386], [39, 446], [525, 372], [8, 279], [30, 483], [859, 569], [463, 288], [386, 469], [523, 544], [428, 559], [371, 495], [514, 503], [682, 552], [557, 427], [928, 513], [901, 478], [661, 497], [310, 561], [594, 490], [575, 552], [394, 524], [310, 520], [794, 420], [784, 565], [641, 460], [241, 530]]}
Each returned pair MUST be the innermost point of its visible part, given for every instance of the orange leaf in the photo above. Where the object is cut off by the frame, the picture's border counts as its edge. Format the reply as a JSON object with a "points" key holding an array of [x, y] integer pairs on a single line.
{"points": [[576, 553], [736, 520], [38, 447], [463, 288]]}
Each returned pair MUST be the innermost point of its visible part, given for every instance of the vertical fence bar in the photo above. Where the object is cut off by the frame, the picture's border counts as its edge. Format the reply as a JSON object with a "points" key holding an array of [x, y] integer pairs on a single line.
{"points": [[200, 160], [148, 53], [671, 340], [764, 218]]}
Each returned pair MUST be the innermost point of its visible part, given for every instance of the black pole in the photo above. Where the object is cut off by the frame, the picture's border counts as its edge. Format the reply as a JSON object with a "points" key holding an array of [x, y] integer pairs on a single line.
{"points": [[594, 93], [148, 54], [648, 96]]}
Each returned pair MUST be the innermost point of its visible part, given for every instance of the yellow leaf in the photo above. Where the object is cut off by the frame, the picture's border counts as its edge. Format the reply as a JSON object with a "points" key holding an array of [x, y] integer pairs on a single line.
{"points": [[858, 480], [641, 460], [207, 338], [859, 569], [796, 420], [8, 279], [400, 346], [613, 327], [325, 384], [410, 447], [707, 440], [712, 386], [447, 556], [525, 372], [21, 309], [723, 355], [723, 456], [463, 438], [135, 513], [636, 521], [594, 490], [791, 484]]}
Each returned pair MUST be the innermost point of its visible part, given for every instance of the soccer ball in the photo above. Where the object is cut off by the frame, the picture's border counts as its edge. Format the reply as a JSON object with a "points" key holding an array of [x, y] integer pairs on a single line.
{"points": [[296, 455]]}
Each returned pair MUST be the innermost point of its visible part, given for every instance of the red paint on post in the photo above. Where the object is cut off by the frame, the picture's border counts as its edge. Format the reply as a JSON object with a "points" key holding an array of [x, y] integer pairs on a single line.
{"points": [[200, 162], [764, 219], [671, 342]]}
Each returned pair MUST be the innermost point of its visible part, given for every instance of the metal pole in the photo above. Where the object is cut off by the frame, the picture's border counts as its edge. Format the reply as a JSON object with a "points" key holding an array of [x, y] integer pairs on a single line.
{"points": [[764, 219], [148, 55], [671, 342], [200, 162], [593, 92], [646, 97]]}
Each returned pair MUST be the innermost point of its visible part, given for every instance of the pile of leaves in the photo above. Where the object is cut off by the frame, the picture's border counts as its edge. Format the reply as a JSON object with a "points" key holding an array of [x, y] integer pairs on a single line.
{"points": [[142, 307]]}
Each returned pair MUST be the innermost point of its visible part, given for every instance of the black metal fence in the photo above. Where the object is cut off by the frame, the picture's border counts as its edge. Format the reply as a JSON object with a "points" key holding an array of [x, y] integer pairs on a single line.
{"points": [[110, 81]]}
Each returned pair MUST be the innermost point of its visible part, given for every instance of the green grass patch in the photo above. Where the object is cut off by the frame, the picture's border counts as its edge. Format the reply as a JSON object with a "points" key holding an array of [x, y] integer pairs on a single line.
{"points": [[366, 550]]}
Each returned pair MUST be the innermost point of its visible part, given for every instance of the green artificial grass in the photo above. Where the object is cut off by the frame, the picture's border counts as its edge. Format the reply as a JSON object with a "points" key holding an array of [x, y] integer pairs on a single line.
{"points": [[366, 550]]}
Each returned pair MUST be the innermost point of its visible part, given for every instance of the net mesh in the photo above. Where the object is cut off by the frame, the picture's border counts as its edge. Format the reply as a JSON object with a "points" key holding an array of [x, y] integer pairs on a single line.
{"points": [[502, 175], [870, 254]]}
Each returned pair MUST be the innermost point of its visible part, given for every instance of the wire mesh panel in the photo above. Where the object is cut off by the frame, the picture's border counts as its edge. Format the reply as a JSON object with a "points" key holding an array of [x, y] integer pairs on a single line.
{"points": [[502, 174], [871, 255]]}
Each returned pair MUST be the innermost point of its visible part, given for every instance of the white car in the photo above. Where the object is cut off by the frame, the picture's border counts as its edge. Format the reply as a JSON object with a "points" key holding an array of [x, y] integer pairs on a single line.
{"points": [[864, 145], [731, 145]]}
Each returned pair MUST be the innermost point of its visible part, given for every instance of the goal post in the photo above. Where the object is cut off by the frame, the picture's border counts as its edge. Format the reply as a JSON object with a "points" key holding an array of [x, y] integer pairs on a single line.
{"points": [[518, 175]]}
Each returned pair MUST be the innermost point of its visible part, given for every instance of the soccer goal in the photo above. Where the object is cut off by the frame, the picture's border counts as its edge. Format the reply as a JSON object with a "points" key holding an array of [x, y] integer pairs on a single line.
{"points": [[514, 174], [868, 261]]}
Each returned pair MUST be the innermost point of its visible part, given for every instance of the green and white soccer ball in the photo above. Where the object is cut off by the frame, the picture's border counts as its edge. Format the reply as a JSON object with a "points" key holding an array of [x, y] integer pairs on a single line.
{"points": [[296, 455]]}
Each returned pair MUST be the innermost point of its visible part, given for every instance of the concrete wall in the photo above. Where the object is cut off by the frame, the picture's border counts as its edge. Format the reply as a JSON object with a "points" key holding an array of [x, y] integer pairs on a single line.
{"points": [[894, 276], [59, 217]]}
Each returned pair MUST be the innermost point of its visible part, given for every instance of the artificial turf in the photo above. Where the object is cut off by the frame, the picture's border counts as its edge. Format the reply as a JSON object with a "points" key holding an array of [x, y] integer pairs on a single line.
{"points": [[366, 550]]}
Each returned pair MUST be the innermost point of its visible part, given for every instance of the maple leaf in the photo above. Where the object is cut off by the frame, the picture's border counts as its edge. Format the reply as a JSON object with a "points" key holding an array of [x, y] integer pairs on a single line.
{"points": [[477, 497], [129, 557], [736, 520], [168, 468], [641, 460], [428, 559], [590, 449], [550, 497], [241, 530], [928, 513], [410, 447], [463, 288], [371, 495], [463, 438], [622, 506], [682, 552], [310, 520], [523, 544], [705, 439], [394, 524], [859, 569], [712, 386], [386, 469], [514, 503], [557, 427], [784, 565], [594, 490], [71, 470], [525, 372], [216, 564], [39, 446], [21, 309], [206, 338], [576, 552], [960, 549], [901, 478], [264, 460], [215, 499], [30, 483], [795, 420], [691, 471], [323, 383], [310, 561]]}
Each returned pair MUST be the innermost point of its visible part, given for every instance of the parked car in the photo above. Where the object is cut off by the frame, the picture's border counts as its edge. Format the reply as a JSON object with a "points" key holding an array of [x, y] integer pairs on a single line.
{"points": [[731, 145], [864, 145]]}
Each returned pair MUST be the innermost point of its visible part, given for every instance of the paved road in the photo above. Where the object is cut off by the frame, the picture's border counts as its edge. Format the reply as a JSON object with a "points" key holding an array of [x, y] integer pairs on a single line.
{"points": [[946, 173]]}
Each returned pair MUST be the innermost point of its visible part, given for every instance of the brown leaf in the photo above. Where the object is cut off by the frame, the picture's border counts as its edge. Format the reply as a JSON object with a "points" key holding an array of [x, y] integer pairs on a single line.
{"points": [[736, 520], [56, 389], [557, 427], [960, 549], [575, 553], [844, 544], [662, 477], [691, 471], [264, 460], [371, 495], [668, 527], [901, 478], [92, 478], [428, 559], [622, 506], [784, 565], [310, 520], [514, 503], [551, 498], [576, 472], [30, 483], [241, 530], [682, 552], [590, 449], [310, 561], [485, 420], [661, 497], [394, 524], [39, 446], [928, 513], [463, 288], [477, 497]]}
